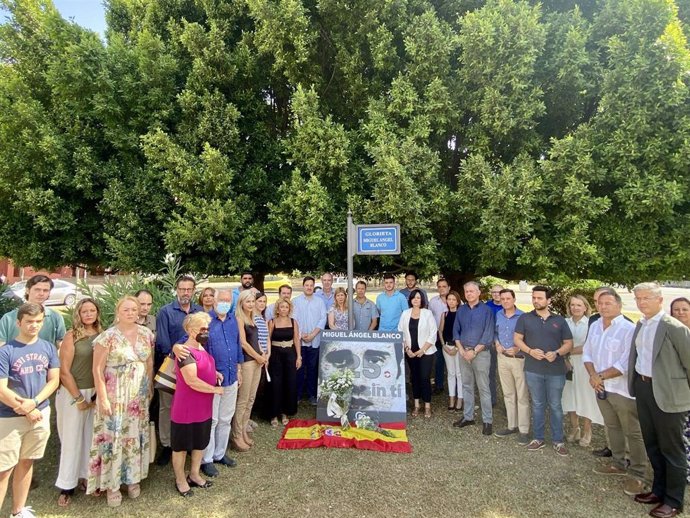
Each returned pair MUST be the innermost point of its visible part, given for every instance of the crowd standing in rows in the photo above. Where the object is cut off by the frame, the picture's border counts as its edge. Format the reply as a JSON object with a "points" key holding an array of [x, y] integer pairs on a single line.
{"points": [[599, 368]]}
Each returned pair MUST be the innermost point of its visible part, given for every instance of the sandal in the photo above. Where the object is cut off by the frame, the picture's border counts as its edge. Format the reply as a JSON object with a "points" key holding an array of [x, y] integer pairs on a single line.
{"points": [[274, 423], [114, 498], [184, 494], [65, 497], [427, 412], [285, 420], [207, 484], [133, 490], [415, 412], [82, 485]]}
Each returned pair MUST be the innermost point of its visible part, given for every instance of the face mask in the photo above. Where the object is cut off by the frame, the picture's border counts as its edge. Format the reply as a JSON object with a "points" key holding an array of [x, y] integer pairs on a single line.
{"points": [[202, 338], [223, 308]]}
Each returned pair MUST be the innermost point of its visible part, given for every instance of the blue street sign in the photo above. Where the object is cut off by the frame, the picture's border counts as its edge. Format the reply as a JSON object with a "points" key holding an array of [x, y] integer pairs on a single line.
{"points": [[378, 239]]}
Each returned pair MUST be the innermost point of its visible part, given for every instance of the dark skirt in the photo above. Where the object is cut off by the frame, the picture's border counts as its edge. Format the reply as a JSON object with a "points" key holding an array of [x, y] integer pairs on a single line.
{"points": [[190, 436]]}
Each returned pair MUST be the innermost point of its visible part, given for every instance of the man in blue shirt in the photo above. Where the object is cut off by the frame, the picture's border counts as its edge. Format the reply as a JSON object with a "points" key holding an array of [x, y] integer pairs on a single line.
{"points": [[29, 374], [473, 333], [391, 304], [310, 313], [511, 370], [224, 346], [327, 293], [246, 283], [169, 332]]}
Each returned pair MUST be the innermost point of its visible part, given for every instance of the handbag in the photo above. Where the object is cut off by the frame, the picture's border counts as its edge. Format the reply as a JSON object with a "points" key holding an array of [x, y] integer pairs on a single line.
{"points": [[152, 441], [166, 377]]}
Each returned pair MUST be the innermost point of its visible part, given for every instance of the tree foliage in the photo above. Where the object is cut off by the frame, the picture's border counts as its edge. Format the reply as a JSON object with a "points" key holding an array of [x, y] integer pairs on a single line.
{"points": [[527, 139]]}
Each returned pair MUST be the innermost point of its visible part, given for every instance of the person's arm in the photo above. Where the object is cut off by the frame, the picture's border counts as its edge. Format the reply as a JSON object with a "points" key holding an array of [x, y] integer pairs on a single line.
{"points": [[457, 329], [374, 318], [331, 318], [441, 326], [321, 324], [100, 356], [66, 358], [430, 339], [149, 371], [488, 332], [189, 373], [519, 341], [4, 330], [297, 343], [60, 330], [163, 341]]}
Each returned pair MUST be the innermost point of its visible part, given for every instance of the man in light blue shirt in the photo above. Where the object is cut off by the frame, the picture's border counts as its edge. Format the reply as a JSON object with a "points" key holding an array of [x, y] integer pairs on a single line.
{"points": [[246, 283], [310, 313], [327, 293], [391, 304]]}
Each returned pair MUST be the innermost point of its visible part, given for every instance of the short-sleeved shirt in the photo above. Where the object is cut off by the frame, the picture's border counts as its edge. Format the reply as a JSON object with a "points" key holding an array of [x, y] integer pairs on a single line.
{"points": [[545, 334], [363, 314], [53, 329], [189, 405], [390, 308], [26, 366]]}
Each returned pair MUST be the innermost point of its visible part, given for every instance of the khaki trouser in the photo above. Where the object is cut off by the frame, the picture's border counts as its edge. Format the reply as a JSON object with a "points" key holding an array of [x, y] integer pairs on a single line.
{"points": [[164, 405], [251, 375], [515, 393], [620, 418]]}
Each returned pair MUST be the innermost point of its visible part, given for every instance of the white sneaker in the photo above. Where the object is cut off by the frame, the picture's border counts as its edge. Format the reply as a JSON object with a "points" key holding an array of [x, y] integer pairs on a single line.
{"points": [[24, 512]]}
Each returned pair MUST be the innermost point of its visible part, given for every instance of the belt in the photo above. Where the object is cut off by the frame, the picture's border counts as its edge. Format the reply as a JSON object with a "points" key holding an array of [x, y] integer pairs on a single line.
{"points": [[518, 356], [646, 379], [277, 343]]}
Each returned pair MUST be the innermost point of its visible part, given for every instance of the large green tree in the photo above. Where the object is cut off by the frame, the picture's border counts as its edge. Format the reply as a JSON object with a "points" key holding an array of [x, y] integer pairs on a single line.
{"points": [[514, 137]]}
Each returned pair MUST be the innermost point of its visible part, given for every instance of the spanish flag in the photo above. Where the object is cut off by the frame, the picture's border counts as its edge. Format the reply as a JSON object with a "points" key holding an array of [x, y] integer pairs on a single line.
{"points": [[301, 433]]}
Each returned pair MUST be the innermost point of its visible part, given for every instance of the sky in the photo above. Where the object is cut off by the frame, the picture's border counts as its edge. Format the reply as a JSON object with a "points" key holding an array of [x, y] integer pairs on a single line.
{"points": [[88, 13]]}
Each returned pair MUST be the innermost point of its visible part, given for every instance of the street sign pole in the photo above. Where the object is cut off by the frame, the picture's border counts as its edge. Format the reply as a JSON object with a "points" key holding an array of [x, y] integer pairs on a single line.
{"points": [[350, 271]]}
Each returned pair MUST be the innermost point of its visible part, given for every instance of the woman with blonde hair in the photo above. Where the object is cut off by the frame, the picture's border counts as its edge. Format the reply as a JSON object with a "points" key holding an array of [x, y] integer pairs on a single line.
{"points": [[122, 372], [73, 401], [286, 359], [578, 397], [254, 360], [337, 314]]}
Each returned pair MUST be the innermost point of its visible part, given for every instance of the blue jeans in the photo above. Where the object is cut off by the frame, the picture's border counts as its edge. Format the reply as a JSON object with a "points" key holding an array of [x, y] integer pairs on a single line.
{"points": [[308, 373], [546, 389]]}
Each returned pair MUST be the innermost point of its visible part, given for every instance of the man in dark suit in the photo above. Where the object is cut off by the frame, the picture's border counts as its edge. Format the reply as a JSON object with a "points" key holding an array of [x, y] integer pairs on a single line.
{"points": [[659, 379]]}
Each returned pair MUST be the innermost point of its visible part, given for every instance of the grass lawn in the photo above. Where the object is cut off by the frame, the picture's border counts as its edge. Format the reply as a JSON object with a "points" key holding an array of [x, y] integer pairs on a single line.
{"points": [[450, 473]]}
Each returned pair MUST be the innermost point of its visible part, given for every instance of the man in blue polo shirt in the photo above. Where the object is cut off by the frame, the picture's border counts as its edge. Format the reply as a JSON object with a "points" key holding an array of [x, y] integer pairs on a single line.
{"points": [[473, 333], [169, 332], [391, 304]]}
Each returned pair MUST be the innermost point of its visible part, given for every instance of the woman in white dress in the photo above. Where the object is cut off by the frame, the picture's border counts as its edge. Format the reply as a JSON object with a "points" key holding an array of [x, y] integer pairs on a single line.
{"points": [[579, 400]]}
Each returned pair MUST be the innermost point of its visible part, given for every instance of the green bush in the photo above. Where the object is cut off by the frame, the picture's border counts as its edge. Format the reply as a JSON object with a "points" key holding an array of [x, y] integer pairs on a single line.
{"points": [[563, 290], [7, 304], [117, 287]]}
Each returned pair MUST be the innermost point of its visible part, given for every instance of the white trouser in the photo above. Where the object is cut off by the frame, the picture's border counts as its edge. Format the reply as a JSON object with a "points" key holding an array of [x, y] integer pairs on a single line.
{"points": [[454, 376], [223, 412], [75, 428]]}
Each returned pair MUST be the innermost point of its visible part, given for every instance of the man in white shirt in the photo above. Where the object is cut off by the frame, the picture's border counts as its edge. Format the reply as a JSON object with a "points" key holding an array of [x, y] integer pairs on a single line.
{"points": [[605, 357], [438, 306]]}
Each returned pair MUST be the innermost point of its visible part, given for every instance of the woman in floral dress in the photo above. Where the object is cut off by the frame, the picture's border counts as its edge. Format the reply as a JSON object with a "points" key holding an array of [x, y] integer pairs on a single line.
{"points": [[122, 369]]}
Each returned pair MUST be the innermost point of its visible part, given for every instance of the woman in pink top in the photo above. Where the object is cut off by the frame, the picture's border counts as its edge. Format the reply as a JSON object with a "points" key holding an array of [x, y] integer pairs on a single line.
{"points": [[192, 404]]}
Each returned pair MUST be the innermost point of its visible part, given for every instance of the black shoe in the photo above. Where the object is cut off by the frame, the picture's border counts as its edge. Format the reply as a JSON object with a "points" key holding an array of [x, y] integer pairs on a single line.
{"points": [[462, 423], [226, 461], [604, 452], [164, 457], [209, 470], [487, 429]]}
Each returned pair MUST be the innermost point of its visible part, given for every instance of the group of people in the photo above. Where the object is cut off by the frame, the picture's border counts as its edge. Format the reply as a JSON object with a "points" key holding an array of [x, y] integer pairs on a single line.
{"points": [[599, 368]]}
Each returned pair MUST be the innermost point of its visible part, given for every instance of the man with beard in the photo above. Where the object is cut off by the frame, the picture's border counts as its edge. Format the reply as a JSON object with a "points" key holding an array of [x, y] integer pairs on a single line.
{"points": [[545, 338], [284, 293], [169, 331], [246, 283]]}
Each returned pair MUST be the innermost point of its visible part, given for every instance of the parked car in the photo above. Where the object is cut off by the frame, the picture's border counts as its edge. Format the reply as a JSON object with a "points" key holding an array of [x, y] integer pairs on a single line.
{"points": [[63, 293], [273, 282]]}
